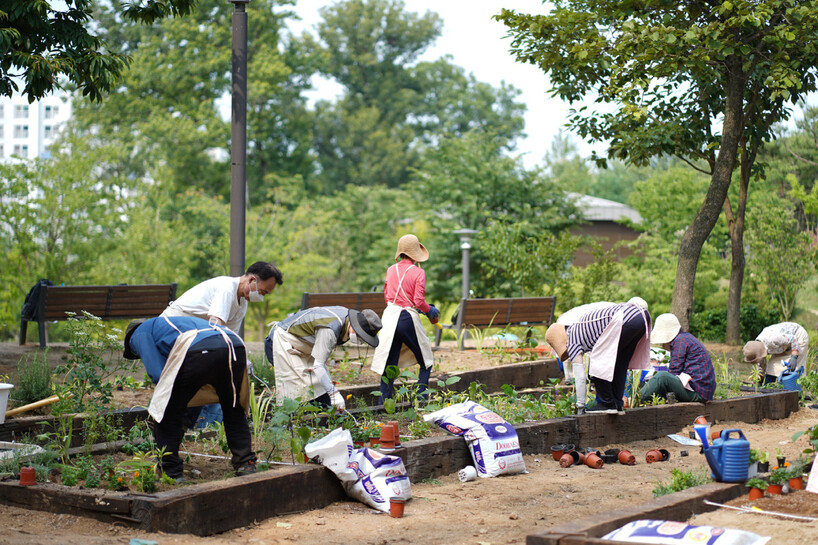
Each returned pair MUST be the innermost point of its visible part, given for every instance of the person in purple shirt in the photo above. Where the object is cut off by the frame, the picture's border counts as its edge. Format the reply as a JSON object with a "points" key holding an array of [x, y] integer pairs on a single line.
{"points": [[690, 375]]}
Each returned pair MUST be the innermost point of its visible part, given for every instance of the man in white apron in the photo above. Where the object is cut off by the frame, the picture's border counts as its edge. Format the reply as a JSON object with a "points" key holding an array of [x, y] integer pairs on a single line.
{"points": [[183, 355], [786, 343], [403, 340]]}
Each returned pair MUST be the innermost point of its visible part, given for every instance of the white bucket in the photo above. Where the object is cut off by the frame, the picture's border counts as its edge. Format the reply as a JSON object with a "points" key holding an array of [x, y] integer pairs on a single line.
{"points": [[4, 399]]}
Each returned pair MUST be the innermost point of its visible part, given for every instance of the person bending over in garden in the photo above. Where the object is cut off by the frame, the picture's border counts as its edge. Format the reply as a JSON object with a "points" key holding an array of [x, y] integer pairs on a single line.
{"points": [[403, 339], [575, 372], [616, 338], [786, 343], [690, 375], [183, 355], [300, 346]]}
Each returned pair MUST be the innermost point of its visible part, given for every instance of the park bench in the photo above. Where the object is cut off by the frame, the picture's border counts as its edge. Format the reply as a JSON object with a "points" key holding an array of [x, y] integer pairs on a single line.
{"points": [[121, 302], [483, 313], [358, 300]]}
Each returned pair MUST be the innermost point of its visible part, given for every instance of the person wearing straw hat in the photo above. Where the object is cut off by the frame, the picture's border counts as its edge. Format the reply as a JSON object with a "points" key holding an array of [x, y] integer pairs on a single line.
{"points": [[403, 339], [187, 358], [300, 346], [690, 375], [787, 345], [616, 338]]}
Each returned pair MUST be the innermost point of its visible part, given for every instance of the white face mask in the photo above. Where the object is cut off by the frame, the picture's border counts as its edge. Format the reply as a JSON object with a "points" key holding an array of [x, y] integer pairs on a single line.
{"points": [[353, 338], [254, 296]]}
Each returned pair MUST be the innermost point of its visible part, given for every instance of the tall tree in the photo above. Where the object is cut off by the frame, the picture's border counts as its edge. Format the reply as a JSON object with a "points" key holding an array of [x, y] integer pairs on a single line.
{"points": [[704, 82], [44, 41]]}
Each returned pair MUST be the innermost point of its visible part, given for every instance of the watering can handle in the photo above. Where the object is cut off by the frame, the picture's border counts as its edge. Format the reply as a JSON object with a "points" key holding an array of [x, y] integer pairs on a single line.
{"points": [[726, 433]]}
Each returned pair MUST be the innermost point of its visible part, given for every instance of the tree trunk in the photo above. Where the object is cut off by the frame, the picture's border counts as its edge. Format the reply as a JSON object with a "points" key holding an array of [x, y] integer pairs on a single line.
{"points": [[733, 333], [705, 219]]}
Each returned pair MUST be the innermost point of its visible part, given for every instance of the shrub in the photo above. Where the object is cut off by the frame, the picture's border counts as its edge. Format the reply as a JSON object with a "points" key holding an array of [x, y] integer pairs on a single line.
{"points": [[33, 378], [711, 325]]}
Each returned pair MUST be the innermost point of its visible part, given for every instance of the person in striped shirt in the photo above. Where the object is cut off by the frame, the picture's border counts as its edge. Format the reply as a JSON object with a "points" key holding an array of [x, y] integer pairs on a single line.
{"points": [[616, 337]]}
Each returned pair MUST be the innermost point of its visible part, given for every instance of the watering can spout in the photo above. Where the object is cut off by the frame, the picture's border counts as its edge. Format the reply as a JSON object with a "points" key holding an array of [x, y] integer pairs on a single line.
{"points": [[712, 456]]}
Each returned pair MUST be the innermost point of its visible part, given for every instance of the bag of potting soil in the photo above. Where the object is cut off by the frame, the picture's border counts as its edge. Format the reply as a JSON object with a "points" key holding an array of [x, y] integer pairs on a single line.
{"points": [[367, 475], [667, 532], [380, 477], [492, 441]]}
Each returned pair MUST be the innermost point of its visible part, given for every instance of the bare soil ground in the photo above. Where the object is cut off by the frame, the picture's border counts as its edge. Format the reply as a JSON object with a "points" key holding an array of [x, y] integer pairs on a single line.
{"points": [[486, 511]]}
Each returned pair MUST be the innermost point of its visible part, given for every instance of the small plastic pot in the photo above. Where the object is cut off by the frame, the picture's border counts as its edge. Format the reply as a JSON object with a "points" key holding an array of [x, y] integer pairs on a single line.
{"points": [[557, 451], [626, 458], [396, 506], [763, 467], [692, 435], [774, 488], [387, 438], [27, 476], [570, 458], [374, 442], [781, 461], [396, 426], [715, 435], [593, 461], [756, 493], [796, 483], [654, 455], [700, 420]]}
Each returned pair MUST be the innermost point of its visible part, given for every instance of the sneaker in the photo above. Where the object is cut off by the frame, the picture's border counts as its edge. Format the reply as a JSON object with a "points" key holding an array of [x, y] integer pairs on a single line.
{"points": [[601, 409], [246, 468]]}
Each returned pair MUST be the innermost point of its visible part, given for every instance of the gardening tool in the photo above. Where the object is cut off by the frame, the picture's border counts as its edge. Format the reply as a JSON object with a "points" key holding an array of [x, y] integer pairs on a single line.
{"points": [[38, 404], [728, 457], [789, 379]]}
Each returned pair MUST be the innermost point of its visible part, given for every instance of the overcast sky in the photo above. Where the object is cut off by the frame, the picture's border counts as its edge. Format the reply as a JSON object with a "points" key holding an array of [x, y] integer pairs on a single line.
{"points": [[476, 42]]}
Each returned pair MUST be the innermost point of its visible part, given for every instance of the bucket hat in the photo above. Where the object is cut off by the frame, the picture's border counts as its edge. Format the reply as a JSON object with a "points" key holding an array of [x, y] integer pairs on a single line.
{"points": [[129, 354], [557, 338], [366, 324], [754, 351], [411, 246], [639, 302], [665, 329]]}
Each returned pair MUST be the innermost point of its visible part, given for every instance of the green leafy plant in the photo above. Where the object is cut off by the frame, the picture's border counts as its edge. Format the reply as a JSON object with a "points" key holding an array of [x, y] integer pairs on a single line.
{"points": [[757, 455], [33, 378], [681, 480], [812, 437], [779, 476], [761, 484]]}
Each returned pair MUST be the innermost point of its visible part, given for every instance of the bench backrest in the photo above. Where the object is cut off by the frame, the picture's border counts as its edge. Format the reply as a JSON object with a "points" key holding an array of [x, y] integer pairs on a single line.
{"points": [[109, 302], [355, 300], [501, 312]]}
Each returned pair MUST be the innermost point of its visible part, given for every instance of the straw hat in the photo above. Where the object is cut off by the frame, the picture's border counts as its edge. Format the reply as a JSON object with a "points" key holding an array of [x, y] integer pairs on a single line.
{"points": [[411, 246], [754, 352], [665, 329], [557, 338], [639, 302]]}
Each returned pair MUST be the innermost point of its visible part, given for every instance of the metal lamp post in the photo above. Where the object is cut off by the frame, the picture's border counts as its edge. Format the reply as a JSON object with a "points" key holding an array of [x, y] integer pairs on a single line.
{"points": [[466, 235]]}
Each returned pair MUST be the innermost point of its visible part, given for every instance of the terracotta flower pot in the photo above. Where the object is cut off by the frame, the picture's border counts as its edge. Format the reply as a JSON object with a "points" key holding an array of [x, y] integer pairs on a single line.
{"points": [[374, 441], [654, 455], [796, 483], [715, 435], [396, 506], [756, 493], [626, 458], [27, 476], [570, 458], [557, 451], [774, 488], [359, 444], [700, 420], [387, 437], [593, 461], [396, 426]]}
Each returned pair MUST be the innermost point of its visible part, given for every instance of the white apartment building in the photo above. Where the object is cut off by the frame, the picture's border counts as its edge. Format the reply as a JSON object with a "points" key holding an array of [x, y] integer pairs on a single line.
{"points": [[26, 130]]}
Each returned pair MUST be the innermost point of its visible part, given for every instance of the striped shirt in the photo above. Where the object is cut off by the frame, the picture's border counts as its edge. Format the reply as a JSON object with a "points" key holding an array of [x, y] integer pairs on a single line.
{"points": [[688, 355], [585, 332]]}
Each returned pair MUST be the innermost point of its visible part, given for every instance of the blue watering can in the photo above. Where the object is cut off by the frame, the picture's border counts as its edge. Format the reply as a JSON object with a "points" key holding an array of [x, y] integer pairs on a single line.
{"points": [[789, 379], [729, 458]]}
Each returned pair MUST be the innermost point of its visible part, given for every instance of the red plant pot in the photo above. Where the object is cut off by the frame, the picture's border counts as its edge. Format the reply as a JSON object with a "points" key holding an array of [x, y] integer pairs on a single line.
{"points": [[796, 483], [395, 426], [359, 444], [387, 437], [756, 493], [593, 461], [654, 455], [626, 458], [396, 506], [27, 476], [374, 441], [774, 488], [570, 458], [557, 451]]}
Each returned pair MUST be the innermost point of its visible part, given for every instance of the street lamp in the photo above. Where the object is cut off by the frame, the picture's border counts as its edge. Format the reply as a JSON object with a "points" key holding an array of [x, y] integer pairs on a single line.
{"points": [[466, 235]]}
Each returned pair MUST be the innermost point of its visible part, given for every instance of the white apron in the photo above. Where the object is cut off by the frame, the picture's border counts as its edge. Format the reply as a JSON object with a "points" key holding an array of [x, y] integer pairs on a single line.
{"points": [[603, 355], [387, 336], [292, 356]]}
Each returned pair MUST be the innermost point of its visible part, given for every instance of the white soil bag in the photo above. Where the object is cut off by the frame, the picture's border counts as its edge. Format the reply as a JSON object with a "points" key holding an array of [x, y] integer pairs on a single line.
{"points": [[680, 533], [493, 442], [367, 475]]}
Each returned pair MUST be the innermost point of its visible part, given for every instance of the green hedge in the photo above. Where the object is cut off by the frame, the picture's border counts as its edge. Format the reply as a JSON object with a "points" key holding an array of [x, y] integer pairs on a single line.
{"points": [[710, 325]]}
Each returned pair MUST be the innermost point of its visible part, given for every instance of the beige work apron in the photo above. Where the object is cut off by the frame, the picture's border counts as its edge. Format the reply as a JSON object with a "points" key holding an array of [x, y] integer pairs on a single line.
{"points": [[603, 355]]}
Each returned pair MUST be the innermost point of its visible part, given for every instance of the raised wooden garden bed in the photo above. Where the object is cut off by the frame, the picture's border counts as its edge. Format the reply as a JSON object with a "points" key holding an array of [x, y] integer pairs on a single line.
{"points": [[219, 506]]}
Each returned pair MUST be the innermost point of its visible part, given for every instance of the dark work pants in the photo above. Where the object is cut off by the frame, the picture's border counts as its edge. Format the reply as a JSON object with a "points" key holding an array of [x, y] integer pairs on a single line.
{"points": [[404, 335], [609, 394], [199, 368]]}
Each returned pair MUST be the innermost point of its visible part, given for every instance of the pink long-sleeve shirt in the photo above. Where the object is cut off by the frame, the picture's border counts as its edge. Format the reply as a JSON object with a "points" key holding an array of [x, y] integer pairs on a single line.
{"points": [[413, 293]]}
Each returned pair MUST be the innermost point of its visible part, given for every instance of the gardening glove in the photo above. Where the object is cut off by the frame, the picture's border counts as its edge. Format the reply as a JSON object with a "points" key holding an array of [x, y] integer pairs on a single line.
{"points": [[793, 363], [337, 401], [433, 314]]}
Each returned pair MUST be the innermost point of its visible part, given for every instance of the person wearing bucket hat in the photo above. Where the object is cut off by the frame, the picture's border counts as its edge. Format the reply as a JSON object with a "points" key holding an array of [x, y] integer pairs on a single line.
{"points": [[403, 339], [787, 345], [690, 375], [616, 337], [300, 346], [193, 362]]}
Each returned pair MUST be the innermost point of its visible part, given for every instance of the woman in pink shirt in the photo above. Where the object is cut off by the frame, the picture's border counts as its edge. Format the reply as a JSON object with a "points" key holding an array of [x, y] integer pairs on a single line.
{"points": [[403, 341]]}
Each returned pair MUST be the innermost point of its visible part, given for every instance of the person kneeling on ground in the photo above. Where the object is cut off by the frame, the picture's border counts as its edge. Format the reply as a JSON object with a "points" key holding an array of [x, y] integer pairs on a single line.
{"points": [[787, 345], [300, 346], [182, 355], [690, 375]]}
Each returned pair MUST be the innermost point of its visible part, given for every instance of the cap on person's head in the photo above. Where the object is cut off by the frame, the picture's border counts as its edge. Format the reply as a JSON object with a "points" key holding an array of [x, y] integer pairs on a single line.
{"points": [[129, 354], [366, 324], [665, 329], [639, 302], [409, 245], [754, 351], [557, 338]]}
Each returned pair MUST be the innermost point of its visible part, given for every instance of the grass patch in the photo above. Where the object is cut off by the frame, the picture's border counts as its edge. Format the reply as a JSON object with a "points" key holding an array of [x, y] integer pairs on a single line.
{"points": [[681, 480]]}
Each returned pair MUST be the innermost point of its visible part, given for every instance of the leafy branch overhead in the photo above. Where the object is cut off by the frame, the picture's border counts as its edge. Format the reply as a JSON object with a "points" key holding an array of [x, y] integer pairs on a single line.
{"points": [[44, 41]]}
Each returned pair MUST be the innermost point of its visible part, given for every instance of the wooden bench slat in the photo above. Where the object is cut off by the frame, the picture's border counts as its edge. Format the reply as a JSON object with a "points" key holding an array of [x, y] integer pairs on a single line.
{"points": [[353, 300]]}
